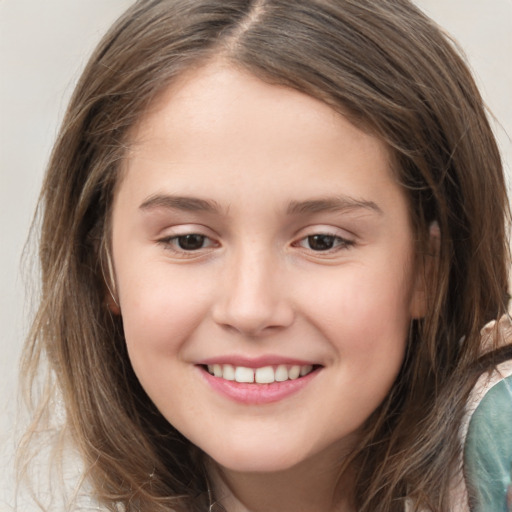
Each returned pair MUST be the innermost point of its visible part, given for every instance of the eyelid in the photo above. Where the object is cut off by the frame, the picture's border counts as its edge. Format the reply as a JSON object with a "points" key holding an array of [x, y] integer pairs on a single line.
{"points": [[325, 229], [173, 233], [169, 239], [346, 241]]}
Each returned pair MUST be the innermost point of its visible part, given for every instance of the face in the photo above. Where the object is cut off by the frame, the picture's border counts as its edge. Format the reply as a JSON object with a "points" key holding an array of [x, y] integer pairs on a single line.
{"points": [[264, 266]]}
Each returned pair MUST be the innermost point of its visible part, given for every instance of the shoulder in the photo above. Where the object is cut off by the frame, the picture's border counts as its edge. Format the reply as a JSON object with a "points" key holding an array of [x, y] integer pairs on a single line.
{"points": [[487, 434], [488, 445]]}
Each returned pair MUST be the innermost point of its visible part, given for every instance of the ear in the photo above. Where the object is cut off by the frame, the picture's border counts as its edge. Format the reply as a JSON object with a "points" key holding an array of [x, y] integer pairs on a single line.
{"points": [[112, 303], [424, 273]]}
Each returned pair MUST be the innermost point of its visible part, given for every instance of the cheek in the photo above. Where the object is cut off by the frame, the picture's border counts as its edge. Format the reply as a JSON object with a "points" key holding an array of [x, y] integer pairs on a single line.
{"points": [[363, 301], [159, 319], [365, 317], [369, 331], [160, 310]]}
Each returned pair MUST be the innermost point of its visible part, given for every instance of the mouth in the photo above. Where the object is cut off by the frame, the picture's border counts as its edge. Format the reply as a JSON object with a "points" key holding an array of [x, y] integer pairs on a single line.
{"points": [[269, 374]]}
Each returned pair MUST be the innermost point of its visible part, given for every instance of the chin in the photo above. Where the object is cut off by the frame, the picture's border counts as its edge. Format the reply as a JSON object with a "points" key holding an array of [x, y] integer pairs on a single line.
{"points": [[257, 459], [248, 465]]}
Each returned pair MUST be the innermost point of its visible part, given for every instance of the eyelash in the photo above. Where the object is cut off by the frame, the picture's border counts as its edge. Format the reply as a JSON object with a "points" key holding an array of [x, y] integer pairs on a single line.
{"points": [[176, 243], [173, 243], [339, 243]]}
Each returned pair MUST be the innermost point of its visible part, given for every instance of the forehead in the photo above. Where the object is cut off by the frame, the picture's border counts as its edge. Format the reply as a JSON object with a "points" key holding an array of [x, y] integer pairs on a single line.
{"points": [[207, 99], [217, 124]]}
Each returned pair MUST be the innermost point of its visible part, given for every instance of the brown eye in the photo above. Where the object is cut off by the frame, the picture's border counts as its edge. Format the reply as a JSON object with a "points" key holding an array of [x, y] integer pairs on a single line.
{"points": [[324, 242], [188, 244], [191, 242], [321, 242]]}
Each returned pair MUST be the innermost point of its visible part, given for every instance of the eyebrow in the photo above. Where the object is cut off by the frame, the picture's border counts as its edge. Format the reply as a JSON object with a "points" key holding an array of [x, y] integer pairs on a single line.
{"points": [[191, 204], [195, 204], [334, 204]]}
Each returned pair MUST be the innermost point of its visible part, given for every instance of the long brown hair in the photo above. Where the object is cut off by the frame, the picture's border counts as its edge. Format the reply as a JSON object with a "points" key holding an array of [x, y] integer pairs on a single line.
{"points": [[391, 70]]}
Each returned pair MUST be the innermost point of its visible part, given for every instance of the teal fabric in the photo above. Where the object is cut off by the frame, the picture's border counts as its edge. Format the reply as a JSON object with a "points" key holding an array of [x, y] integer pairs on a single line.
{"points": [[488, 451]]}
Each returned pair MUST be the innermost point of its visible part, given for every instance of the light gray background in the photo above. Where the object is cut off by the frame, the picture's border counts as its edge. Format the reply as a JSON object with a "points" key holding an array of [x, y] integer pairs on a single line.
{"points": [[43, 46]]}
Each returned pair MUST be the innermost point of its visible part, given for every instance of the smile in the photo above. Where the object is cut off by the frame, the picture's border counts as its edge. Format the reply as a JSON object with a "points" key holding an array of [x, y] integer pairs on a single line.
{"points": [[262, 375], [258, 384]]}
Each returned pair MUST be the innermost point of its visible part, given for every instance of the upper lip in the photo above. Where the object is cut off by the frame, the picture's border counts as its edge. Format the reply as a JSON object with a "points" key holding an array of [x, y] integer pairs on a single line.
{"points": [[255, 362]]}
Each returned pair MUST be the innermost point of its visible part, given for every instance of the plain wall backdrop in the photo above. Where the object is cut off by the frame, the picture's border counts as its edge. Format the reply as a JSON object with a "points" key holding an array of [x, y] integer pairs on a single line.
{"points": [[43, 46]]}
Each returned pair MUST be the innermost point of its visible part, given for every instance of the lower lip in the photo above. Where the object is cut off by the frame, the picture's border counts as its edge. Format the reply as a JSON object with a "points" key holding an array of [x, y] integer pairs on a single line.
{"points": [[254, 394]]}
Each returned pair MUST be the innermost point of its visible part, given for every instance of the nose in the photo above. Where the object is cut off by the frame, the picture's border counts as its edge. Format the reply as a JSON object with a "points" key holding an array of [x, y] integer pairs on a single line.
{"points": [[253, 298]]}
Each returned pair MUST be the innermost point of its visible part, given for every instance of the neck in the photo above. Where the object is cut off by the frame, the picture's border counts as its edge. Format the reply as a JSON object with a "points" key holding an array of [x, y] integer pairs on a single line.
{"points": [[305, 488]]}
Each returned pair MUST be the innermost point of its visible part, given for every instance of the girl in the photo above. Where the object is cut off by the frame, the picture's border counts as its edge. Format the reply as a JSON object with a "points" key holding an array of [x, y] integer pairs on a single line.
{"points": [[272, 232]]}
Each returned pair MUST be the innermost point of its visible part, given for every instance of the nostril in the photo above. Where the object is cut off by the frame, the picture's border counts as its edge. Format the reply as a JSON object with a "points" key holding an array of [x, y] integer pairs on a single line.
{"points": [[253, 322]]}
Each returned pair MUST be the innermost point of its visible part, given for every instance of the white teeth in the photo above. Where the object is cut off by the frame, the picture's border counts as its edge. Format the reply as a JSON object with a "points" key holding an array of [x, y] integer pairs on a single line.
{"points": [[263, 375], [281, 373], [243, 374], [304, 370], [228, 372], [294, 372]]}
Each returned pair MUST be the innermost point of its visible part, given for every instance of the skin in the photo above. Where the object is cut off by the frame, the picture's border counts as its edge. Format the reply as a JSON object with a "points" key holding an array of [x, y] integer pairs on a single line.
{"points": [[276, 167]]}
